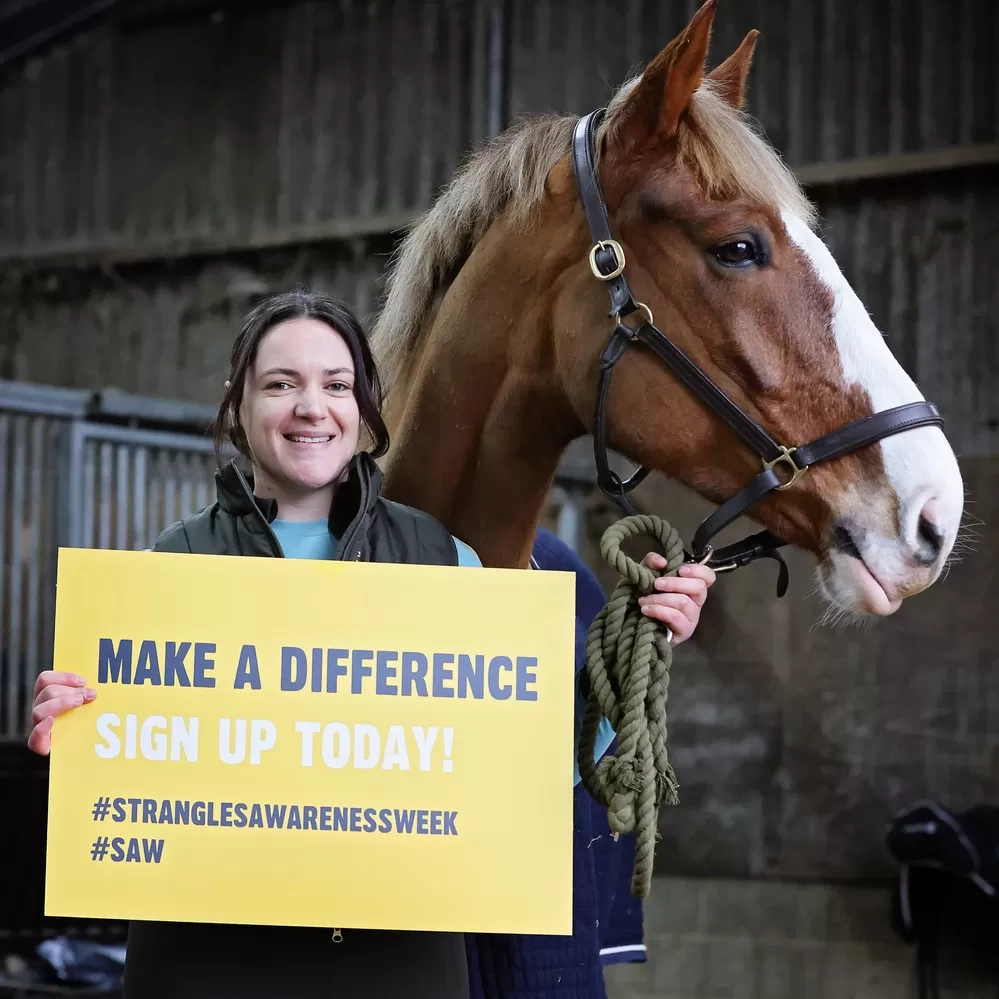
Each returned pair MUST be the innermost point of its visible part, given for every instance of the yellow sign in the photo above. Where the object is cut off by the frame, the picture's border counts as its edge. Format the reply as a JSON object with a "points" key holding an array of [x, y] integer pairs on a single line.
{"points": [[312, 743]]}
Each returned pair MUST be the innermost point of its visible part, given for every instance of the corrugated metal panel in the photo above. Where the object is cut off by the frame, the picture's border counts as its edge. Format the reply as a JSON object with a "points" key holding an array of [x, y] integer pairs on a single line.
{"points": [[67, 482], [30, 462], [919, 255], [131, 484], [166, 331], [237, 126], [832, 79]]}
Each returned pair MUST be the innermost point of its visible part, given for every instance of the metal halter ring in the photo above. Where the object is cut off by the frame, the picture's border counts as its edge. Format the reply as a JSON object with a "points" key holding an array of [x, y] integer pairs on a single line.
{"points": [[615, 247], [706, 558], [638, 305], [785, 457]]}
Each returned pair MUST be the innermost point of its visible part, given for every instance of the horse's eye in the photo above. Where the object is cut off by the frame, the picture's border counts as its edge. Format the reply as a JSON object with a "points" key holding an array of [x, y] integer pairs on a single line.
{"points": [[737, 253]]}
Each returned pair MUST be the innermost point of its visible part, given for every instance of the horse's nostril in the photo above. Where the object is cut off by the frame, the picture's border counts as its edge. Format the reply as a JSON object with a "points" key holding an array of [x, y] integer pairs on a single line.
{"points": [[841, 538], [929, 541]]}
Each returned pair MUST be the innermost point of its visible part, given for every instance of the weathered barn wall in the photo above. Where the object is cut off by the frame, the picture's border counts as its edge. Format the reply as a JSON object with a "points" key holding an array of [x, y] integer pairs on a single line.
{"points": [[915, 250], [832, 79], [237, 127], [162, 329], [240, 126], [267, 123]]}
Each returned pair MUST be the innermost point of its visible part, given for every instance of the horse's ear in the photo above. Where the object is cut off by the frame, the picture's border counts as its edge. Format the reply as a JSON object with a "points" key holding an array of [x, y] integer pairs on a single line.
{"points": [[661, 96], [730, 76]]}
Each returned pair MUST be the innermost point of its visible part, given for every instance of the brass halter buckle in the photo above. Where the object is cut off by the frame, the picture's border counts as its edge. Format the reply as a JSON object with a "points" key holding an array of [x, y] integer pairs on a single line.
{"points": [[786, 458], [615, 247]]}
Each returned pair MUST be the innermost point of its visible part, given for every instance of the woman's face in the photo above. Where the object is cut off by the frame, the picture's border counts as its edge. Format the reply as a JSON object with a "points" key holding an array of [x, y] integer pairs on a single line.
{"points": [[299, 413]]}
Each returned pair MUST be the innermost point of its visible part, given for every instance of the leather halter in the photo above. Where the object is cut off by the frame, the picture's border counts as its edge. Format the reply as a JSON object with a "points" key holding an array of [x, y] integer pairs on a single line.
{"points": [[607, 263]]}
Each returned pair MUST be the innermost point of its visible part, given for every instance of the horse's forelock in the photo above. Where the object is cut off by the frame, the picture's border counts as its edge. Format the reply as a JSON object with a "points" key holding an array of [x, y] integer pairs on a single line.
{"points": [[729, 158]]}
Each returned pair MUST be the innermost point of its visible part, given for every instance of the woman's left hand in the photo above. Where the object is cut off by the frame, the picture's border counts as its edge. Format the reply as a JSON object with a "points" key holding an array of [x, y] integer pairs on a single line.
{"points": [[679, 599]]}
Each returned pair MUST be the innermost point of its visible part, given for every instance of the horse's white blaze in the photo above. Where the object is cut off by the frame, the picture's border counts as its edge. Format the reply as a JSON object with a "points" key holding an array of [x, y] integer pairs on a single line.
{"points": [[919, 464]]}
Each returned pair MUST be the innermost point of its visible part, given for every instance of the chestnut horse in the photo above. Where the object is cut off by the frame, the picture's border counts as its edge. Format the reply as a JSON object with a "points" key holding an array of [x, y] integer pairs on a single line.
{"points": [[494, 324]]}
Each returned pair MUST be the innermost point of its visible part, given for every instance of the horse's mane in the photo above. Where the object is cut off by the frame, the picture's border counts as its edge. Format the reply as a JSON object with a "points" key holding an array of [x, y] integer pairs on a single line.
{"points": [[727, 155], [507, 173]]}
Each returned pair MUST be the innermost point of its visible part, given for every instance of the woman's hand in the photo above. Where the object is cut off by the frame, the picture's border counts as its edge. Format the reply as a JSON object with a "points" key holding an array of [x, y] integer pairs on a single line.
{"points": [[55, 693], [679, 599]]}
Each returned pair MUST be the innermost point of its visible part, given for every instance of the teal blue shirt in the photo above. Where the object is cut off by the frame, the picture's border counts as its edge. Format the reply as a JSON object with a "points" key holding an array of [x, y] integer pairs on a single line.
{"points": [[312, 539]]}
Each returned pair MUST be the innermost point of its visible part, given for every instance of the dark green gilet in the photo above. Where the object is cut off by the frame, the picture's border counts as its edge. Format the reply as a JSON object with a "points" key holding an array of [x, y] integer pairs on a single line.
{"points": [[172, 960], [370, 528]]}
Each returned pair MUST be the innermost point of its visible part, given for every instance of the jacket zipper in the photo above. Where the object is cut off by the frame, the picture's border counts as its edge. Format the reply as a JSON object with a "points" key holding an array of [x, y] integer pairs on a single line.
{"points": [[337, 932], [345, 550]]}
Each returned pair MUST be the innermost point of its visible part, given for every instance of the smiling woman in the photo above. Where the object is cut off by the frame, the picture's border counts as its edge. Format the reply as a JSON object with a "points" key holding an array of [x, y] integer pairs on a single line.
{"points": [[302, 406]]}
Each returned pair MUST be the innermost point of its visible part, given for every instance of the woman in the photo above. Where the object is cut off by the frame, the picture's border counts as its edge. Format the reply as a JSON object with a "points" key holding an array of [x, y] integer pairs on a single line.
{"points": [[302, 387]]}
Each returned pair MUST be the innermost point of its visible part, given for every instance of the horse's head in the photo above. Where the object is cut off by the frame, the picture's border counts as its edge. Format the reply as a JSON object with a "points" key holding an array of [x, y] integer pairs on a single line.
{"points": [[719, 245]]}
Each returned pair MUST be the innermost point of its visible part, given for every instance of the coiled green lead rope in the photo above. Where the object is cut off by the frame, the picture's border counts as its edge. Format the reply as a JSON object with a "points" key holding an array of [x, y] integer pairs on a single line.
{"points": [[628, 658]]}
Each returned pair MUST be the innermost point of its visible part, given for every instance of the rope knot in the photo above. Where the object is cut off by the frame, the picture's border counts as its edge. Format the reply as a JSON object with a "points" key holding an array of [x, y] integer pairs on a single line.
{"points": [[625, 776]]}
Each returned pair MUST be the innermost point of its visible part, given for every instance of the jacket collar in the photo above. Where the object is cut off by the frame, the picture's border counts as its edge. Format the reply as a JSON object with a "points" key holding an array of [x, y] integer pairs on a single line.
{"points": [[353, 502]]}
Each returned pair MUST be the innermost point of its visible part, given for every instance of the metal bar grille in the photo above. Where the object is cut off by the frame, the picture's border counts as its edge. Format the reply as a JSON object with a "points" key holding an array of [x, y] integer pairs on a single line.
{"points": [[30, 481], [66, 481], [136, 483]]}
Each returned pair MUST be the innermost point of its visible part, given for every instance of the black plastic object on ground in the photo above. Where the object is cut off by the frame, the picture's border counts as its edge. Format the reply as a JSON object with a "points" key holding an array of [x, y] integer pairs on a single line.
{"points": [[948, 886], [64, 966]]}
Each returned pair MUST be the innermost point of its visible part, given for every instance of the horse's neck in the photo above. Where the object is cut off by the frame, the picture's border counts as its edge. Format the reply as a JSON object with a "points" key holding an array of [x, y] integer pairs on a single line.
{"points": [[478, 433]]}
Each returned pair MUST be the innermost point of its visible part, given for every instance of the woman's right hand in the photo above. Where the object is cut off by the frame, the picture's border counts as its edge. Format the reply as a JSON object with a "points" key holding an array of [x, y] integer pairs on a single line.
{"points": [[55, 693]]}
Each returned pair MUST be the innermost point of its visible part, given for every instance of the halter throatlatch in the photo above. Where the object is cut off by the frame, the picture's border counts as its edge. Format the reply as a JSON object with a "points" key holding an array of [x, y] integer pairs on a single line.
{"points": [[782, 466]]}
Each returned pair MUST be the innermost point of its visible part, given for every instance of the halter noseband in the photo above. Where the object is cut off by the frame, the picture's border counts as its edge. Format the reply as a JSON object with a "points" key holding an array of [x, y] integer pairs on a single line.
{"points": [[606, 259]]}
